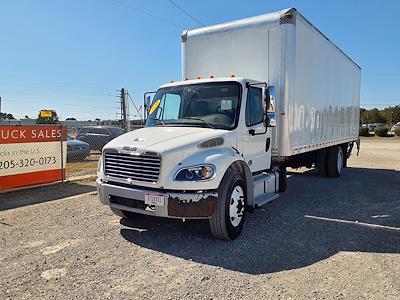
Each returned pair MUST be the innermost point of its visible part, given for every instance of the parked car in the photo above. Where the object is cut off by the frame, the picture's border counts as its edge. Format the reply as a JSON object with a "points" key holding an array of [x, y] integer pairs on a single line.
{"points": [[395, 126], [76, 149], [98, 136], [372, 126]]}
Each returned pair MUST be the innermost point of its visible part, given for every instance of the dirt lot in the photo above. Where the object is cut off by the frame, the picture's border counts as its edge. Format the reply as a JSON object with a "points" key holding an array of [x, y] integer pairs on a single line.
{"points": [[310, 243]]}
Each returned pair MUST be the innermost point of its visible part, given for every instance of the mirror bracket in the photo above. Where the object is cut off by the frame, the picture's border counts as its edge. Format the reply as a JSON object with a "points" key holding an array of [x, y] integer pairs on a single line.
{"points": [[271, 114]]}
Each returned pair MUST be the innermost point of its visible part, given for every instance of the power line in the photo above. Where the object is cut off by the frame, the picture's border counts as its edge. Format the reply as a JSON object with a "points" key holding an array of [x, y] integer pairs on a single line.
{"points": [[186, 13], [52, 97], [52, 82], [148, 14], [137, 110], [52, 89]]}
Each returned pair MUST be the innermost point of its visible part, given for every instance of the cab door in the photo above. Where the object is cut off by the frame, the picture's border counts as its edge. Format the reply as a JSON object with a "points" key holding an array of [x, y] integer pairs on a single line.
{"points": [[256, 137]]}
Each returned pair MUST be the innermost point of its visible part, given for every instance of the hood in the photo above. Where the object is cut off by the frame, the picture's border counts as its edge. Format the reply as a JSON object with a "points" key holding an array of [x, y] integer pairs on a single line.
{"points": [[163, 138]]}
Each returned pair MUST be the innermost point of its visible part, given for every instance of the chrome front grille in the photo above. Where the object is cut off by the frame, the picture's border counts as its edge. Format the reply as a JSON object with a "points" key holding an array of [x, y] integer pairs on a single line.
{"points": [[139, 167]]}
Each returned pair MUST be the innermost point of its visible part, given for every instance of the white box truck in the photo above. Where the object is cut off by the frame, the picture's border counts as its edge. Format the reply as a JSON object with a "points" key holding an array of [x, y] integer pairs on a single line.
{"points": [[257, 95]]}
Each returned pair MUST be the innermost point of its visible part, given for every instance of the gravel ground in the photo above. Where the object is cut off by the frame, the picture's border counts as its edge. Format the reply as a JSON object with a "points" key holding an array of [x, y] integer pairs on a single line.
{"points": [[74, 248]]}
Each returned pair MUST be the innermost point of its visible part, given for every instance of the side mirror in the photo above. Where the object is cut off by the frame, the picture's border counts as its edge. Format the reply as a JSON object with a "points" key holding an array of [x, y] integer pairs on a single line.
{"points": [[271, 116], [271, 120], [146, 103]]}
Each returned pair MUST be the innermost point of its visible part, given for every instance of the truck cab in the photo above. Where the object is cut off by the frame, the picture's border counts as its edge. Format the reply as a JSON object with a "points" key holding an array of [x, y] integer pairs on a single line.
{"points": [[205, 152]]}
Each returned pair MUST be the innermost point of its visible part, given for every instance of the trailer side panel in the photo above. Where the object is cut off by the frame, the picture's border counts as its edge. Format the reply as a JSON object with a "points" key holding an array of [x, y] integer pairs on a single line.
{"points": [[324, 109]]}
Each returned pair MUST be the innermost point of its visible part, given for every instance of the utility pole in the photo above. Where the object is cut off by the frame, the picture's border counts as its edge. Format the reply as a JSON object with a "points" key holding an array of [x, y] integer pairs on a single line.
{"points": [[1, 116], [126, 123]]}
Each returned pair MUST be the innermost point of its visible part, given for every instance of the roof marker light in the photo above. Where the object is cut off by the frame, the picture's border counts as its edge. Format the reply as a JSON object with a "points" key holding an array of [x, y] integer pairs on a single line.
{"points": [[233, 75], [198, 77]]}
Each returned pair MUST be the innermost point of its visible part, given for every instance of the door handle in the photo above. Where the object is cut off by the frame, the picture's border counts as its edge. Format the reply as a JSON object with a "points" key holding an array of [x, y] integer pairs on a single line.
{"points": [[267, 144]]}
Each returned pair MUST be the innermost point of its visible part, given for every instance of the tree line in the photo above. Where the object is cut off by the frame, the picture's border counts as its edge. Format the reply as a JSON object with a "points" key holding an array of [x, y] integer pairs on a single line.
{"points": [[388, 115]]}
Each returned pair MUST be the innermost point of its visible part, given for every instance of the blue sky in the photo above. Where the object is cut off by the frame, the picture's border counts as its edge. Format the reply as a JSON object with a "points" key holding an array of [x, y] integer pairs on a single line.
{"points": [[72, 55]]}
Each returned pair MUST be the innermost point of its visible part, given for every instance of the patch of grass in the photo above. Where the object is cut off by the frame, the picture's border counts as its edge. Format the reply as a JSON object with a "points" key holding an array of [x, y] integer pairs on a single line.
{"points": [[363, 131], [85, 167]]}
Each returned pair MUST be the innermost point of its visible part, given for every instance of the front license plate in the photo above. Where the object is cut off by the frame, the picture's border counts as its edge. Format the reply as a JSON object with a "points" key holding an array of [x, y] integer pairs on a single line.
{"points": [[154, 199]]}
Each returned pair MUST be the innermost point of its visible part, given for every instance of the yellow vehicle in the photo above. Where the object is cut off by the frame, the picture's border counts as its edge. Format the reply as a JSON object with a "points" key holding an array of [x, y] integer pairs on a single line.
{"points": [[47, 116]]}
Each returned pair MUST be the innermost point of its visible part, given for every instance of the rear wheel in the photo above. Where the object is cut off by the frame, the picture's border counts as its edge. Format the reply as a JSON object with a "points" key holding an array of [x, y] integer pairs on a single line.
{"points": [[335, 161], [229, 215]]}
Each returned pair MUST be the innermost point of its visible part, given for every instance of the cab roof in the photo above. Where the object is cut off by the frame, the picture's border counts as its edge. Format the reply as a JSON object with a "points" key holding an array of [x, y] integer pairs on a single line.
{"points": [[203, 80]]}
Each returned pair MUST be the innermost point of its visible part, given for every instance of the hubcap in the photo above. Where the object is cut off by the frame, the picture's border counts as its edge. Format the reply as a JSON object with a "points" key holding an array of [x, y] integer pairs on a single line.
{"points": [[339, 160], [236, 206]]}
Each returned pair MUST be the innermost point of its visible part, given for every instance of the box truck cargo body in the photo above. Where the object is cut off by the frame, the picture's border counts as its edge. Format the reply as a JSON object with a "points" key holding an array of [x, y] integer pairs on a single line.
{"points": [[257, 95], [317, 85]]}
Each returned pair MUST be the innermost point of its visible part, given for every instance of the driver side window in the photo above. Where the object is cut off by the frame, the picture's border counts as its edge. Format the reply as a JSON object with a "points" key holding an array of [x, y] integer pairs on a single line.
{"points": [[169, 107], [254, 106], [172, 106]]}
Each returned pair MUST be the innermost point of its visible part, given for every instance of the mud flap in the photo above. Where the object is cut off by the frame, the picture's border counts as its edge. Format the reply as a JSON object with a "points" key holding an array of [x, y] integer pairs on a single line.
{"points": [[358, 143]]}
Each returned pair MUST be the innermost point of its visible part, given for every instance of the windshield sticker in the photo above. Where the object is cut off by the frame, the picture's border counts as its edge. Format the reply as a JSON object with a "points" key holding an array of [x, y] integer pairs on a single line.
{"points": [[154, 107], [226, 104]]}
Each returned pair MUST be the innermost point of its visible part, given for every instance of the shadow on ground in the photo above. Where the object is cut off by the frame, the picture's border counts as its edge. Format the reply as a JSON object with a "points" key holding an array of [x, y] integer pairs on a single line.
{"points": [[43, 194], [279, 236]]}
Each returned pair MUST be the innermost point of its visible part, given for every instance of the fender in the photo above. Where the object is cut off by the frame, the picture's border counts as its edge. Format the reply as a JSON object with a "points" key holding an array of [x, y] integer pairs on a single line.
{"points": [[242, 166]]}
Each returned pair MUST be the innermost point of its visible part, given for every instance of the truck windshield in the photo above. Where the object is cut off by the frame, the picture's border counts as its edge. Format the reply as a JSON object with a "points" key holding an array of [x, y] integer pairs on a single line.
{"points": [[213, 105]]}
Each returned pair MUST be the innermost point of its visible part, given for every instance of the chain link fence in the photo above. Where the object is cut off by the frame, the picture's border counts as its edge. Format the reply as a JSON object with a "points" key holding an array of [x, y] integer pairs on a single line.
{"points": [[84, 145], [34, 154], [37, 154]]}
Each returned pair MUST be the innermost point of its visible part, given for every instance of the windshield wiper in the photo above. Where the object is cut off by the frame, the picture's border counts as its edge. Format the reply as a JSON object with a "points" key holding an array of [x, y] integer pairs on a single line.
{"points": [[194, 118]]}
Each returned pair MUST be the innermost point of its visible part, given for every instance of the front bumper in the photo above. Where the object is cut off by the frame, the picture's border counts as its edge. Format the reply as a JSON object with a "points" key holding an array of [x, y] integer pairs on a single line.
{"points": [[195, 205]]}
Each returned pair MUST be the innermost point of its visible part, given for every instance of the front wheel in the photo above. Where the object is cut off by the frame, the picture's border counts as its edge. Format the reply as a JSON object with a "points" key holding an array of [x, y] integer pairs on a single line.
{"points": [[229, 215]]}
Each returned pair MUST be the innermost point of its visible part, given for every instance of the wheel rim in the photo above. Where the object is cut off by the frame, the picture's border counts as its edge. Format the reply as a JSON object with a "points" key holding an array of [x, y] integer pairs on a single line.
{"points": [[236, 206], [339, 160]]}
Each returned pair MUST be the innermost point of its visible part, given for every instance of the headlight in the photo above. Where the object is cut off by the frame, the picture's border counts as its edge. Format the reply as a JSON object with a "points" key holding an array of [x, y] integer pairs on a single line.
{"points": [[195, 173]]}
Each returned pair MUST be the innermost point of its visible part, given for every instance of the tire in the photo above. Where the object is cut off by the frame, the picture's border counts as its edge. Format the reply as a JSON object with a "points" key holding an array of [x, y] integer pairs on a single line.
{"points": [[122, 213], [335, 161], [321, 162], [230, 212]]}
